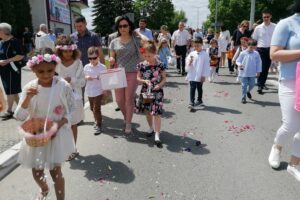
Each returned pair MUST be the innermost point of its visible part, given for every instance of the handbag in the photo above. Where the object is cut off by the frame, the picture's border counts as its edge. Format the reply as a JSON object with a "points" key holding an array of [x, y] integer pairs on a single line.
{"points": [[148, 97], [107, 98], [113, 79]]}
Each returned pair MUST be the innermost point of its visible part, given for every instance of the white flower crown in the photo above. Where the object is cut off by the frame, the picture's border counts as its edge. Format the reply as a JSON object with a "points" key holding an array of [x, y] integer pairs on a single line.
{"points": [[35, 60], [67, 47]]}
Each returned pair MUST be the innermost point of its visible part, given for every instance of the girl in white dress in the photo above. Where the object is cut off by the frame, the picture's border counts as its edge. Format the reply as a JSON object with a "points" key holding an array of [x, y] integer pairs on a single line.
{"points": [[47, 96], [70, 68]]}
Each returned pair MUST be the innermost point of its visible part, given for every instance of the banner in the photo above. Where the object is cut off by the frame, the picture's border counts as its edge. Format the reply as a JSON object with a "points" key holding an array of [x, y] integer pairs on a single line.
{"points": [[59, 11]]}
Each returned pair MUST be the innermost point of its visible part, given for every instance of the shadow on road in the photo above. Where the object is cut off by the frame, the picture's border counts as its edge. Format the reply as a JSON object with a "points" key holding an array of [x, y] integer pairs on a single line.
{"points": [[99, 168], [217, 110], [264, 103]]}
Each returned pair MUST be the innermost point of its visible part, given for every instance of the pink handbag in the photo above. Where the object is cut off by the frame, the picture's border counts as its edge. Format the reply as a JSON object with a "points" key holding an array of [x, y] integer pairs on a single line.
{"points": [[297, 88]]}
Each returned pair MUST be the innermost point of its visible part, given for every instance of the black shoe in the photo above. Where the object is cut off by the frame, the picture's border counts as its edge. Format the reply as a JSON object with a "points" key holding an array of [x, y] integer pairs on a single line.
{"points": [[117, 109], [249, 95], [80, 123], [8, 115], [244, 100], [178, 71], [159, 144], [150, 134], [259, 91], [265, 88], [191, 105], [98, 130], [183, 73], [199, 103]]}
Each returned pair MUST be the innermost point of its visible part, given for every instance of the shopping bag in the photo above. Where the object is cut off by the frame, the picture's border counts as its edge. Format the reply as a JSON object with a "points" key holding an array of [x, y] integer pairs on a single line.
{"points": [[297, 88], [113, 79], [107, 98], [2, 101]]}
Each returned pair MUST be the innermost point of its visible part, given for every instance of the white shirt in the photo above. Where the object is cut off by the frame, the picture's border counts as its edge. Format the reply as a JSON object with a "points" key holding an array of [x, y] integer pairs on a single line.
{"points": [[200, 66], [43, 40], [225, 36], [263, 35], [147, 32], [181, 38], [93, 87]]}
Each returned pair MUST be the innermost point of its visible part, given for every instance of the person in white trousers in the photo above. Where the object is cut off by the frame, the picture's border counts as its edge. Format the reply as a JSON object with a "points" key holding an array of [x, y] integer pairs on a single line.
{"points": [[285, 48]]}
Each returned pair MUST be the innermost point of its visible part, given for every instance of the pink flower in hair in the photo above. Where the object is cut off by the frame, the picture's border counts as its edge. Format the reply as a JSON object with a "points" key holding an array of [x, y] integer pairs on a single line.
{"points": [[40, 58], [53, 57]]}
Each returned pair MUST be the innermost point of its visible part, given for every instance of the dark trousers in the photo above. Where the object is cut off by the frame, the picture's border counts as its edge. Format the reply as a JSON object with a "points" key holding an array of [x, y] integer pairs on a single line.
{"points": [[230, 65], [181, 51], [193, 86], [266, 63], [218, 66], [95, 106]]}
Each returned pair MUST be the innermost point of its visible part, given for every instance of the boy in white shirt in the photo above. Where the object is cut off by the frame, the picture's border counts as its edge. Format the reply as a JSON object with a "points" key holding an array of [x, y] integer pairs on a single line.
{"points": [[197, 67], [93, 87]]}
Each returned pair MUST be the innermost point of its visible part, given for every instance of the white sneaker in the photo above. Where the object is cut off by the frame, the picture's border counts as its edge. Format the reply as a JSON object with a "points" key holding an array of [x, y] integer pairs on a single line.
{"points": [[294, 171], [274, 157], [128, 128]]}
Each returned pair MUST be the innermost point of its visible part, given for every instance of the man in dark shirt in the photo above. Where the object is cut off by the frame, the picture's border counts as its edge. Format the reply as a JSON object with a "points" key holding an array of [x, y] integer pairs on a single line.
{"points": [[27, 40], [85, 39]]}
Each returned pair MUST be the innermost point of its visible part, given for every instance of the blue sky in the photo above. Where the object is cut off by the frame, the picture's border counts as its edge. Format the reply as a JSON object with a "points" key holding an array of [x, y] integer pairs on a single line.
{"points": [[191, 7]]}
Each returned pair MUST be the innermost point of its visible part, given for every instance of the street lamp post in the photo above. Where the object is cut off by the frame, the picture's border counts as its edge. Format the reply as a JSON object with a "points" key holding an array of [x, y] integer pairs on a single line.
{"points": [[197, 15], [216, 17], [252, 13]]}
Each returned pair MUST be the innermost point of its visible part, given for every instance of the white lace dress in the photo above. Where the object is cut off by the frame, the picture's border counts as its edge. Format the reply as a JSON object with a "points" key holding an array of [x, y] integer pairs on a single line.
{"points": [[57, 150], [75, 71]]}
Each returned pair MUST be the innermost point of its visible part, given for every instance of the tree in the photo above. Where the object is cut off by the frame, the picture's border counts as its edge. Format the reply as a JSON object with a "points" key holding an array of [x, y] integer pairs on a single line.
{"points": [[105, 13], [157, 12], [10, 11], [232, 12], [178, 16]]}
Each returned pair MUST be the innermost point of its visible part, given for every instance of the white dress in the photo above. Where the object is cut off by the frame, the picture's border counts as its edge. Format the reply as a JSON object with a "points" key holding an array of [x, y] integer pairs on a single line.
{"points": [[57, 150], [75, 71], [224, 40]]}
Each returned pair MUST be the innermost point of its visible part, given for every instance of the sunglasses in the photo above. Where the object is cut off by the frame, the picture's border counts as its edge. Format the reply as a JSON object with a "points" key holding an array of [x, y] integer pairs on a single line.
{"points": [[123, 26], [266, 17], [93, 58]]}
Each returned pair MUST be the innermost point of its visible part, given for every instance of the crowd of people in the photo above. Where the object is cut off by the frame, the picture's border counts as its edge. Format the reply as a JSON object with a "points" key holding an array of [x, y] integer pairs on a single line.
{"points": [[67, 67]]}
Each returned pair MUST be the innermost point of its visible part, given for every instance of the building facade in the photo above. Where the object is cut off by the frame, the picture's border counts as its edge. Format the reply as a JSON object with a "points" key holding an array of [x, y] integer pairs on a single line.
{"points": [[58, 15]]}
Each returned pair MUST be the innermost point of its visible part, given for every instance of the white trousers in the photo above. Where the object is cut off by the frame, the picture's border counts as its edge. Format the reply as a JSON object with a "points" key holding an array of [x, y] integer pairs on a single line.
{"points": [[290, 127]]}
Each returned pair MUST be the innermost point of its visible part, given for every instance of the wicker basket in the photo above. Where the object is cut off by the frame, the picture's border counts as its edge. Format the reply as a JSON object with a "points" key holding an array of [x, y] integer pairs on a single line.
{"points": [[33, 131]]}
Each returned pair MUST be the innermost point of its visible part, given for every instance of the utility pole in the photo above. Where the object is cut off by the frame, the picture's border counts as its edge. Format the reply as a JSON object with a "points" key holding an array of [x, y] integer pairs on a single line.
{"points": [[197, 15], [216, 17], [252, 14]]}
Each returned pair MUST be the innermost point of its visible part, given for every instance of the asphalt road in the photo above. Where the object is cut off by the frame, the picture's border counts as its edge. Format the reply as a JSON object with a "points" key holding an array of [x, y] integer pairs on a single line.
{"points": [[231, 162]]}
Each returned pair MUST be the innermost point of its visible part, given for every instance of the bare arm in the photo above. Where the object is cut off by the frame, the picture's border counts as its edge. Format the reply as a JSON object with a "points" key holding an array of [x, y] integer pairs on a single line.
{"points": [[278, 53]]}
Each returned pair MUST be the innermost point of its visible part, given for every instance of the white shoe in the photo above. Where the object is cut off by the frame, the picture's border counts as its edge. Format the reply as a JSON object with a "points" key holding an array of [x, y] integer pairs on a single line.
{"points": [[237, 79], [274, 157], [294, 171], [128, 128]]}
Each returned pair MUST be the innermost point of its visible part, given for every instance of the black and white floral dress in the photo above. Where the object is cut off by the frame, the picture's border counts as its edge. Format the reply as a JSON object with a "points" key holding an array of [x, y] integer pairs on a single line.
{"points": [[154, 74]]}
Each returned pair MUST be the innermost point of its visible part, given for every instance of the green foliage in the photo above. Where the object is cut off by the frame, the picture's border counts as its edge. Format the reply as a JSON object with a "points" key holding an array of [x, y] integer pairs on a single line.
{"points": [[157, 12], [10, 11], [178, 16], [232, 12], [105, 13]]}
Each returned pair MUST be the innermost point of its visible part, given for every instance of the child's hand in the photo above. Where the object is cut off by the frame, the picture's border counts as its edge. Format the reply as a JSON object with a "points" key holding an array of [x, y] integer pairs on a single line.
{"points": [[111, 61], [148, 82], [89, 78], [157, 87], [32, 91], [68, 79], [191, 60]]}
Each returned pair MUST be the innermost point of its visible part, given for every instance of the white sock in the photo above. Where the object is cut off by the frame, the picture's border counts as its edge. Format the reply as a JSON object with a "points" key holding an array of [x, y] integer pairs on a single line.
{"points": [[157, 136]]}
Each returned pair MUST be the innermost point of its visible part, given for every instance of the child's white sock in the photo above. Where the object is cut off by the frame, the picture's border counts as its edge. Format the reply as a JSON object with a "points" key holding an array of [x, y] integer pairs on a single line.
{"points": [[157, 136]]}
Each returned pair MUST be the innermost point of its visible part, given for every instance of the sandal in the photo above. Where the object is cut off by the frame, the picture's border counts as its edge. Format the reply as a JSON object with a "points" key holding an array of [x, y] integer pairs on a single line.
{"points": [[42, 195], [73, 155]]}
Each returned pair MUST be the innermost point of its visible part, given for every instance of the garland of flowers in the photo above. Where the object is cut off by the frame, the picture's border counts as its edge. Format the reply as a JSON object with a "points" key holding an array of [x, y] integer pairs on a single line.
{"points": [[67, 47], [35, 60]]}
